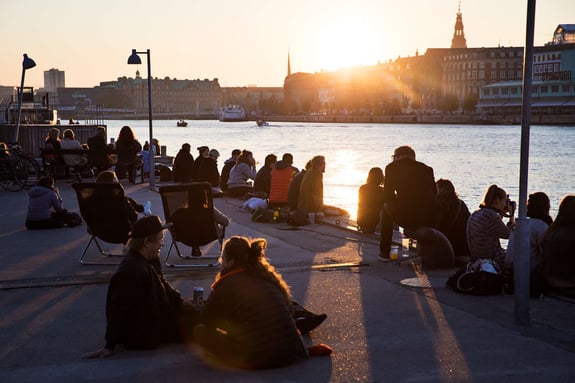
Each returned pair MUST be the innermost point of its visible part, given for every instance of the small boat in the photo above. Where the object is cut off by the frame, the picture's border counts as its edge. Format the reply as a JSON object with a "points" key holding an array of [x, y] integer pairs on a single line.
{"points": [[182, 123], [262, 123], [232, 113]]}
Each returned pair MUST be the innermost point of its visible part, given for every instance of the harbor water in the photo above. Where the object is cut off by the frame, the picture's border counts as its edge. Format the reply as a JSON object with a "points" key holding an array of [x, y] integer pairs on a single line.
{"points": [[471, 156]]}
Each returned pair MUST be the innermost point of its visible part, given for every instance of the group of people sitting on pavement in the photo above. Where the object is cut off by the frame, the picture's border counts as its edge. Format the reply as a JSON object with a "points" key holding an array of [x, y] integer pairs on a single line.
{"points": [[249, 320], [407, 196]]}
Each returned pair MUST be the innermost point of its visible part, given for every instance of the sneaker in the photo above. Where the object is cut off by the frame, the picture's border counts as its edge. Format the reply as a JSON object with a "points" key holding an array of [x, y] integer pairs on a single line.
{"points": [[306, 324], [383, 258]]}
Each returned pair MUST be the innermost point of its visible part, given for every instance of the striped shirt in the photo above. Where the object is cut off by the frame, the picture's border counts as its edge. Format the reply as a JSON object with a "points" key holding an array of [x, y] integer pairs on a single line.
{"points": [[484, 228]]}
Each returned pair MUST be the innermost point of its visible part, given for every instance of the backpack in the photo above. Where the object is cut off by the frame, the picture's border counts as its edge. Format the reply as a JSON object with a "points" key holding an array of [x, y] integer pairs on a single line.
{"points": [[480, 277]]}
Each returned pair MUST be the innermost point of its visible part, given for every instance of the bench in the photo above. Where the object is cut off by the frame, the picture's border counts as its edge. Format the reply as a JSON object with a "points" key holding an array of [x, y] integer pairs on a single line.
{"points": [[54, 165]]}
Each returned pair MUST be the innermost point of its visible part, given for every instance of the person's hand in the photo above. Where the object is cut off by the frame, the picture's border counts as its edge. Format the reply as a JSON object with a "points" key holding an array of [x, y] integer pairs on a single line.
{"points": [[102, 353]]}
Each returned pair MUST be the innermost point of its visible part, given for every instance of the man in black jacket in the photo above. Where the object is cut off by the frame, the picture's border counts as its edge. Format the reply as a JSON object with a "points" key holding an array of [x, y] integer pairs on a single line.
{"points": [[409, 195]]}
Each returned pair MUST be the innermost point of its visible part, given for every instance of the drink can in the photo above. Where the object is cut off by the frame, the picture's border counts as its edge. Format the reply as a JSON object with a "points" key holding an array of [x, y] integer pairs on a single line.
{"points": [[394, 253], [199, 296]]}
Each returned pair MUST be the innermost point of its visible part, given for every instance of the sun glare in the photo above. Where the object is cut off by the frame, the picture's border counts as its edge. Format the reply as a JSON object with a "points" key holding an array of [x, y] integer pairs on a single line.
{"points": [[345, 41]]}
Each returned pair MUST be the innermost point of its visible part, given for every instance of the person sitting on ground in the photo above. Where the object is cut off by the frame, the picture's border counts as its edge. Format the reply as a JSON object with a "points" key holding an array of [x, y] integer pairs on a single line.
{"points": [[228, 164], [203, 154], [131, 206], [311, 190], [485, 226], [184, 164], [370, 201], [281, 178], [559, 250], [127, 149], [248, 319], [263, 180], [538, 206], [45, 207], [241, 174], [142, 309], [98, 150], [454, 214], [184, 218], [294, 187], [208, 169], [409, 197]]}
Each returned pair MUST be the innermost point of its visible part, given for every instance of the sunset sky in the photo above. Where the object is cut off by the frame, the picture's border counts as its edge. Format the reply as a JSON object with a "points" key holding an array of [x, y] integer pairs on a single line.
{"points": [[246, 42]]}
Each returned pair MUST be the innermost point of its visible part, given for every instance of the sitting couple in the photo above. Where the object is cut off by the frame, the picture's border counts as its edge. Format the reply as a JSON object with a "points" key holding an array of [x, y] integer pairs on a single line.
{"points": [[248, 321]]}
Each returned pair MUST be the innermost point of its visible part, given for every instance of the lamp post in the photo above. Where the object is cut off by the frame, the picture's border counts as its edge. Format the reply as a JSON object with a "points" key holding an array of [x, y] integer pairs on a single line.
{"points": [[135, 59], [27, 63]]}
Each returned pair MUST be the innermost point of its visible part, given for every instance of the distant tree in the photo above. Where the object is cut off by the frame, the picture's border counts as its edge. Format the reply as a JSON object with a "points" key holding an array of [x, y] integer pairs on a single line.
{"points": [[449, 103], [469, 103]]}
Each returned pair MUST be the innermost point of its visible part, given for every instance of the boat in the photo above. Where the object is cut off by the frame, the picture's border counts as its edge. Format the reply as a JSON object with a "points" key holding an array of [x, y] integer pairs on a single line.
{"points": [[232, 113], [262, 123], [182, 123], [31, 112]]}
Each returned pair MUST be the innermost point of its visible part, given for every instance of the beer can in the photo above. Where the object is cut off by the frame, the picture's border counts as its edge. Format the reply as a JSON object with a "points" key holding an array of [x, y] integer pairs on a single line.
{"points": [[199, 296]]}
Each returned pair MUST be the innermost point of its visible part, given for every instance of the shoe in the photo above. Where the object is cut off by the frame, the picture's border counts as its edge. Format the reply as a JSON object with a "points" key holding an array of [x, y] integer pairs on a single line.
{"points": [[196, 252], [383, 258], [306, 324]]}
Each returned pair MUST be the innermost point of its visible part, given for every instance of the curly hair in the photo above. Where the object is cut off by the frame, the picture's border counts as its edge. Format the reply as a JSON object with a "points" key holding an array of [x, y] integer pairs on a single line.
{"points": [[250, 255]]}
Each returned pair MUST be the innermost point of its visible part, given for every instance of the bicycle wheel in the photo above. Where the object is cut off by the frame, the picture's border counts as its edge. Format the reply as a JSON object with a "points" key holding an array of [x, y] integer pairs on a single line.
{"points": [[15, 176], [33, 171]]}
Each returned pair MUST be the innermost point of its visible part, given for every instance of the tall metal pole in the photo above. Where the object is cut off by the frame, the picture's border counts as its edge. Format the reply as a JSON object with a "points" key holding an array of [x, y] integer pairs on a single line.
{"points": [[150, 151], [20, 97], [521, 262]]}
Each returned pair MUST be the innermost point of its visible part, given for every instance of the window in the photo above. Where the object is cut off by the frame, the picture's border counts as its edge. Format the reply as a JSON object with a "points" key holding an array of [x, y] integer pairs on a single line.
{"points": [[481, 74], [544, 89], [554, 88], [565, 88], [510, 74], [504, 91], [495, 91], [513, 91], [502, 74]]}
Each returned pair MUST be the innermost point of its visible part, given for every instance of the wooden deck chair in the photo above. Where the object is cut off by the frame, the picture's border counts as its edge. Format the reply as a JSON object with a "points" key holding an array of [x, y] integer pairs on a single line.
{"points": [[103, 208], [190, 209]]}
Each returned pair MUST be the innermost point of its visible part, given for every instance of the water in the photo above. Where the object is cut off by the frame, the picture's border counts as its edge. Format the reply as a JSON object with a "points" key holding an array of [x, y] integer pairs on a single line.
{"points": [[471, 156]]}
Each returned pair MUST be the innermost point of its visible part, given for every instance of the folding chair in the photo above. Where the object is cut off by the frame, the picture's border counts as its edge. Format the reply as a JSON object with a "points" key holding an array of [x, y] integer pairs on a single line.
{"points": [[103, 208], [193, 223]]}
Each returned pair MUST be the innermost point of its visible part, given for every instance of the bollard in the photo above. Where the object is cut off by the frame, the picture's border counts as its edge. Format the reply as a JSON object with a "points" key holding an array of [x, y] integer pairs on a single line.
{"points": [[163, 151]]}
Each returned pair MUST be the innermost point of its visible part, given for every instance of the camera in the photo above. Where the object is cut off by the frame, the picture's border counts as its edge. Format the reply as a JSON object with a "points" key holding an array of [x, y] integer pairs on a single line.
{"points": [[510, 205]]}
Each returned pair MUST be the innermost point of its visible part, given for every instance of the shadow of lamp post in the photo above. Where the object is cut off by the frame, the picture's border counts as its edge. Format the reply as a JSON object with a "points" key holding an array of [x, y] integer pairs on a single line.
{"points": [[27, 63], [135, 59]]}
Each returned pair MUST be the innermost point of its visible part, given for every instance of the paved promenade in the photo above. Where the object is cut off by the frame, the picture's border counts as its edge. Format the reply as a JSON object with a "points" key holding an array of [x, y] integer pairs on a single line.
{"points": [[381, 330]]}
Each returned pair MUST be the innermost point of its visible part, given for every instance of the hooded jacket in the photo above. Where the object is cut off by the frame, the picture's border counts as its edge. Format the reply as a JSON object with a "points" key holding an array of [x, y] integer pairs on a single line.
{"points": [[281, 177], [42, 200]]}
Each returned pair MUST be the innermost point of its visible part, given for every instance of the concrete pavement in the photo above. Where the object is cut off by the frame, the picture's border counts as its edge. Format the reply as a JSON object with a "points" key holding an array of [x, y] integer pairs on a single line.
{"points": [[381, 330]]}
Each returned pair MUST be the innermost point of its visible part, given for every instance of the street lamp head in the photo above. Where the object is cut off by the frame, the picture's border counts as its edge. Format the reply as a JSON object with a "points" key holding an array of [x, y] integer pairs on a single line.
{"points": [[134, 58], [27, 63]]}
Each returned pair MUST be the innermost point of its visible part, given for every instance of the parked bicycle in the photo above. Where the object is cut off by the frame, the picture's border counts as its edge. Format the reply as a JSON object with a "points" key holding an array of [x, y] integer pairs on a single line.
{"points": [[29, 162]]}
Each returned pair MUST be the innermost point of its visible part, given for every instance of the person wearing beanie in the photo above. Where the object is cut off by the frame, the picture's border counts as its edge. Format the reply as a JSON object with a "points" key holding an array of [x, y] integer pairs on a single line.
{"points": [[142, 309]]}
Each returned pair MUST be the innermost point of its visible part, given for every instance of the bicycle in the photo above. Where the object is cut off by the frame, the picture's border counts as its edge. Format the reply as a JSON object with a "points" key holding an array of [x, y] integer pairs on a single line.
{"points": [[13, 173], [29, 162]]}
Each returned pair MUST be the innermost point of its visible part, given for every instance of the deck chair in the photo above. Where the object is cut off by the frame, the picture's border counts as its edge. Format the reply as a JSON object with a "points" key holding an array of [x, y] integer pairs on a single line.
{"points": [[103, 208], [193, 226]]}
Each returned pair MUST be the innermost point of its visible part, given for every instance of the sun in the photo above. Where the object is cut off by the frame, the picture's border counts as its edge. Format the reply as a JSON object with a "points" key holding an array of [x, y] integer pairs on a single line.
{"points": [[345, 41]]}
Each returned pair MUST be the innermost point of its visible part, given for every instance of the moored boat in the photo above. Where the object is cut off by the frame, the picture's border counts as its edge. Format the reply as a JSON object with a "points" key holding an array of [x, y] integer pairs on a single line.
{"points": [[232, 113], [182, 123]]}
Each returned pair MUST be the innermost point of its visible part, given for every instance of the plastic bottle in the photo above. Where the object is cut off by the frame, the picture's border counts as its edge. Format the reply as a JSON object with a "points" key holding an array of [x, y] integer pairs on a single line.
{"points": [[147, 208]]}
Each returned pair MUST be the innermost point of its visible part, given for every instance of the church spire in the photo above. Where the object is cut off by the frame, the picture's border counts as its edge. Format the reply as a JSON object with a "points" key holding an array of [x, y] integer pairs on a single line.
{"points": [[458, 40], [289, 65]]}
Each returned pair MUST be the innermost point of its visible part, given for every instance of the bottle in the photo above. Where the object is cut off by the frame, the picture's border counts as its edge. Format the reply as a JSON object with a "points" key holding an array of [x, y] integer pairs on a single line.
{"points": [[147, 208], [199, 296]]}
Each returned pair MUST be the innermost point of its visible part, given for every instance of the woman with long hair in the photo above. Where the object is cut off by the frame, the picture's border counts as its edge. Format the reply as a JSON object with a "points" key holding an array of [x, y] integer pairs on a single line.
{"points": [[248, 319], [127, 149], [559, 250], [454, 214], [370, 201]]}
